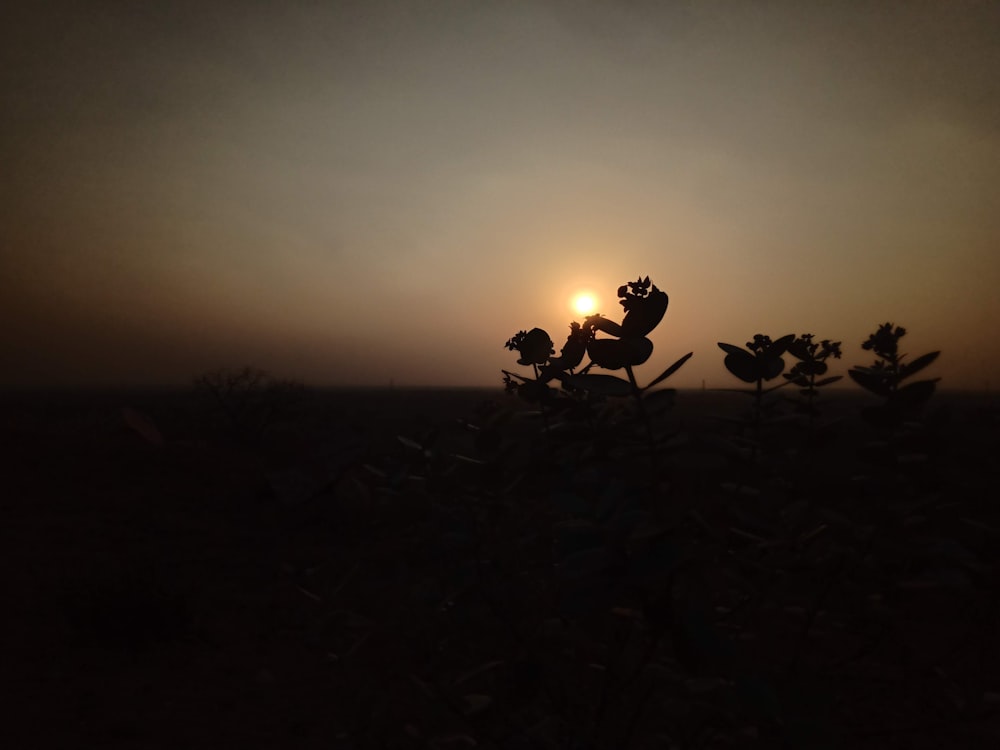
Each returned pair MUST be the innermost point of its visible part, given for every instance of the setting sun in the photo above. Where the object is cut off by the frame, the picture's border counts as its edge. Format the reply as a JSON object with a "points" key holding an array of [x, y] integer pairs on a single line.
{"points": [[584, 303]]}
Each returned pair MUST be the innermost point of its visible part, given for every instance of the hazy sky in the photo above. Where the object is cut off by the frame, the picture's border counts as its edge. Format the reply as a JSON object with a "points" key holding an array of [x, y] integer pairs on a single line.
{"points": [[346, 193]]}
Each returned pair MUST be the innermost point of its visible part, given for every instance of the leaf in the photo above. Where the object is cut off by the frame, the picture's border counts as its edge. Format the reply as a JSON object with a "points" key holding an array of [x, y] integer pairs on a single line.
{"points": [[742, 364], [613, 354], [410, 443], [780, 346], [770, 366], [917, 365], [877, 384], [605, 385], [914, 394], [469, 459], [800, 350], [645, 314], [515, 375], [670, 370], [776, 387], [827, 381], [731, 349], [603, 324]]}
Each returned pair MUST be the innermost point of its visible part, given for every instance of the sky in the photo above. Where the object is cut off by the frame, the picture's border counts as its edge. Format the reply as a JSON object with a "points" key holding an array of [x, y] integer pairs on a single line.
{"points": [[360, 193]]}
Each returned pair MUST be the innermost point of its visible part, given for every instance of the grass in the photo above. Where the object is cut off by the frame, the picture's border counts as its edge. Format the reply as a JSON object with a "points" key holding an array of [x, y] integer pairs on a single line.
{"points": [[553, 595]]}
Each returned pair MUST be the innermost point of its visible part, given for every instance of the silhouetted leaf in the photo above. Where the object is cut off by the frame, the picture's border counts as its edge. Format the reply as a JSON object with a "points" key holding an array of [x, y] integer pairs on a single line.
{"points": [[670, 370], [877, 384], [827, 381], [410, 443], [600, 323], [515, 375], [613, 354], [742, 364], [811, 367], [731, 349], [800, 380], [645, 314], [769, 367], [800, 350], [917, 365], [780, 346], [605, 385], [914, 394]]}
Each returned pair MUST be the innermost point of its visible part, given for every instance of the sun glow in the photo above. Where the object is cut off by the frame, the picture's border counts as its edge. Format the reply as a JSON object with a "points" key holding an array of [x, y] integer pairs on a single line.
{"points": [[583, 303]]}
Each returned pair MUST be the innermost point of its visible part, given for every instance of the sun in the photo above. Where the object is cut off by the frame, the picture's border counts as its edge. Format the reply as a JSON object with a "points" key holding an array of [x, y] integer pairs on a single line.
{"points": [[583, 303]]}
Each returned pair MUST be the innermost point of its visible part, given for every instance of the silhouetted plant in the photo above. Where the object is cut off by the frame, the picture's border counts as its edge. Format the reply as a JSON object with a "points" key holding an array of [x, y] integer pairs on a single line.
{"points": [[807, 371], [885, 378], [628, 346], [760, 362]]}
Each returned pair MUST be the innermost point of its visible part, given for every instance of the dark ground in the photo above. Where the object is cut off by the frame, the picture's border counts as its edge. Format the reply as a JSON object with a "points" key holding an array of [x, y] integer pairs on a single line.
{"points": [[179, 595]]}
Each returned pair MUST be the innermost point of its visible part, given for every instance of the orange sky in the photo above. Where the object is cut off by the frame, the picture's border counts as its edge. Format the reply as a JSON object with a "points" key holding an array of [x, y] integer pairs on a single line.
{"points": [[349, 193]]}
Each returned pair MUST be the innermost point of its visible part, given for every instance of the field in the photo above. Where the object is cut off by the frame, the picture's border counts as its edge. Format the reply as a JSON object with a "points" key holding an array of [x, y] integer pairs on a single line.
{"points": [[178, 578]]}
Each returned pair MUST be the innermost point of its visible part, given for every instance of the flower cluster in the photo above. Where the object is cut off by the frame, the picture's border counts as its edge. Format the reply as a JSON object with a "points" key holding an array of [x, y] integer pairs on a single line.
{"points": [[812, 356], [760, 343], [633, 291], [885, 341], [534, 346], [823, 349]]}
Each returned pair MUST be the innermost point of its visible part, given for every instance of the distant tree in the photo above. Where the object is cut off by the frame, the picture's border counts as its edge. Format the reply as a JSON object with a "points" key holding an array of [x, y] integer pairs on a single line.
{"points": [[247, 402]]}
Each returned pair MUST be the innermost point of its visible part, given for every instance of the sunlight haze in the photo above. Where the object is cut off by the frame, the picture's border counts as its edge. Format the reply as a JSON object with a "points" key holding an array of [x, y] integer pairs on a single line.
{"points": [[353, 193]]}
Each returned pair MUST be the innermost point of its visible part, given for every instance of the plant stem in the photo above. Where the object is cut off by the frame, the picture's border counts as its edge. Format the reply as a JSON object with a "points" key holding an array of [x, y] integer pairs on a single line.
{"points": [[651, 443]]}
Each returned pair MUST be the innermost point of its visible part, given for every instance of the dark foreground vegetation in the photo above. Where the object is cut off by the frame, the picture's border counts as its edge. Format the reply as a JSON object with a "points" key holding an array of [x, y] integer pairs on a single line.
{"points": [[588, 561], [464, 569]]}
